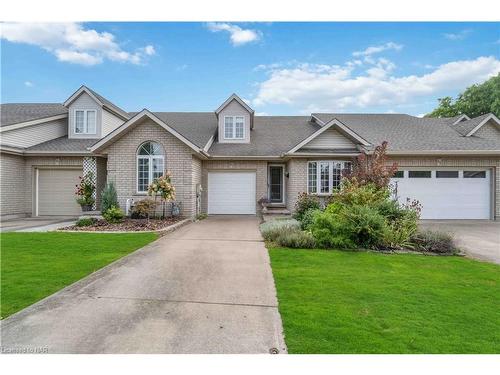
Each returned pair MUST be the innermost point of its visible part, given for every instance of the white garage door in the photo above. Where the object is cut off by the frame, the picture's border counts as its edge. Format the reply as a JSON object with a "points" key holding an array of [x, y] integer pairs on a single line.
{"points": [[231, 193], [56, 192], [447, 193]]}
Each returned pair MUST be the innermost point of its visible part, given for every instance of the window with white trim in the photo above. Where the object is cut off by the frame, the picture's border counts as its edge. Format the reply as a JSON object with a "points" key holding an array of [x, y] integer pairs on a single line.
{"points": [[234, 127], [150, 165], [85, 121], [324, 176]]}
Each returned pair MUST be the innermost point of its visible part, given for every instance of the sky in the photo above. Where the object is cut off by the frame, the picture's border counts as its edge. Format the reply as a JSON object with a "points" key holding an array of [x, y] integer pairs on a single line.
{"points": [[277, 68]]}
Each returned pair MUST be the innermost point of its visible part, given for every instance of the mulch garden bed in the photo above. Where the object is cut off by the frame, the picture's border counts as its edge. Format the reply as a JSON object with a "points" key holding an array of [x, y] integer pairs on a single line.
{"points": [[127, 225]]}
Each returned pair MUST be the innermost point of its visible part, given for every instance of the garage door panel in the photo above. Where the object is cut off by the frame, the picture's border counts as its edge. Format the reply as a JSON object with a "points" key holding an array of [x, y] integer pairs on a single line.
{"points": [[448, 198], [56, 192], [231, 193]]}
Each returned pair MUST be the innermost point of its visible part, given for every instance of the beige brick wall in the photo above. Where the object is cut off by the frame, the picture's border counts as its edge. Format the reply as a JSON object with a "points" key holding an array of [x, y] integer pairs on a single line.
{"points": [[296, 181], [100, 179], [493, 163], [259, 166], [32, 162], [12, 184], [488, 131], [122, 164]]}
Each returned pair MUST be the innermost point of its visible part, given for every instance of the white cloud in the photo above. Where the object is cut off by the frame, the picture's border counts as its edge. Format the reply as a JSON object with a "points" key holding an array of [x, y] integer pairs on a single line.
{"points": [[237, 35], [73, 43], [313, 87], [377, 49], [457, 36], [28, 84]]}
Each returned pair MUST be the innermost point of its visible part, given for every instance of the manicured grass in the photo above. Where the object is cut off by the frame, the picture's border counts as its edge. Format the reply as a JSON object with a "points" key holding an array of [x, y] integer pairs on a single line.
{"points": [[360, 302], [35, 265]]}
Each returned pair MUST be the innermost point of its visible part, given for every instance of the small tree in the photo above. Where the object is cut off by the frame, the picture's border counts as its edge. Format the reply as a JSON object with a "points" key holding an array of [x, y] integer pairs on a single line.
{"points": [[373, 168], [85, 191], [162, 187], [109, 198]]}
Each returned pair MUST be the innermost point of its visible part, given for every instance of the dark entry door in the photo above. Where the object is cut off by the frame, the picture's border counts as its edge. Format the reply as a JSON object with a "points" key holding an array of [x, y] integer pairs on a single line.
{"points": [[276, 183]]}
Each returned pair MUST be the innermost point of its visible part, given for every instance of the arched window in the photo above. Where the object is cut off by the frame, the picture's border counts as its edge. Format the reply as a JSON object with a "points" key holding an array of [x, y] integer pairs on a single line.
{"points": [[150, 164]]}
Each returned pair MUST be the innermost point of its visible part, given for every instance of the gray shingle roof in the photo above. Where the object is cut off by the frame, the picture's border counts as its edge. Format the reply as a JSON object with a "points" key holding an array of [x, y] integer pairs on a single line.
{"points": [[271, 136], [109, 104], [14, 113], [406, 133], [64, 144]]}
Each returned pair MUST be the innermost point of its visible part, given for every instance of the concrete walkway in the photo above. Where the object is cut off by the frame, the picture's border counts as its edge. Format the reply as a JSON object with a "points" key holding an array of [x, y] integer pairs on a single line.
{"points": [[36, 224], [480, 239], [206, 288]]}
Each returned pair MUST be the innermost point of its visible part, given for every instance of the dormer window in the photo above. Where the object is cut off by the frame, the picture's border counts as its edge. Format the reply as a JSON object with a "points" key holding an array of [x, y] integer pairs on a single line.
{"points": [[234, 127], [85, 121]]}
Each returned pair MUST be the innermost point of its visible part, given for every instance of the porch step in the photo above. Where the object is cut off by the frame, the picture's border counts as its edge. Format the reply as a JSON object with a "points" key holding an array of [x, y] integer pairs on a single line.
{"points": [[276, 211]]}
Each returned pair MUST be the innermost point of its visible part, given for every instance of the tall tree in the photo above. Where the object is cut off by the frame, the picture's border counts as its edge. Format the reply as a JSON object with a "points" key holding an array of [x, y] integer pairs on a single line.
{"points": [[475, 101]]}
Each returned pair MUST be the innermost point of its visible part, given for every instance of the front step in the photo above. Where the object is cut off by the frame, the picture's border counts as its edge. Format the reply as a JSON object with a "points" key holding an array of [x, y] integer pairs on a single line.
{"points": [[276, 211]]}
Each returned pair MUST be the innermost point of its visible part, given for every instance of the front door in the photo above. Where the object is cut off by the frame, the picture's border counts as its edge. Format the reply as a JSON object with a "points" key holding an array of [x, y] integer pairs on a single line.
{"points": [[276, 183]]}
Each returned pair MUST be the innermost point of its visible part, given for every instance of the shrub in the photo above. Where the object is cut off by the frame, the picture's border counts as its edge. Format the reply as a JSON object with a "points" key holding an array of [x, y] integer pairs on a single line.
{"points": [[305, 202], [329, 232], [271, 229], [366, 226], [85, 190], [201, 216], [373, 169], [143, 209], [109, 198], [435, 242], [114, 215], [85, 222], [308, 218], [296, 239], [352, 192]]}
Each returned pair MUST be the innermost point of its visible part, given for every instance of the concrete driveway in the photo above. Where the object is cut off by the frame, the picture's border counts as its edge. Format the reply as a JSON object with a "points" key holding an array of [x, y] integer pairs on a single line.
{"points": [[479, 239], [206, 288]]}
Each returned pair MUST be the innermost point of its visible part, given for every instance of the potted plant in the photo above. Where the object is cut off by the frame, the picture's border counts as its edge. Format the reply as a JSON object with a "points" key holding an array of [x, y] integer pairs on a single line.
{"points": [[162, 187], [85, 192], [264, 201]]}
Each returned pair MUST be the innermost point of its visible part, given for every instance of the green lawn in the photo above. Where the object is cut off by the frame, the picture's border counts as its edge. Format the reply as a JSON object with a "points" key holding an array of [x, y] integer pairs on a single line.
{"points": [[35, 265], [360, 302]]}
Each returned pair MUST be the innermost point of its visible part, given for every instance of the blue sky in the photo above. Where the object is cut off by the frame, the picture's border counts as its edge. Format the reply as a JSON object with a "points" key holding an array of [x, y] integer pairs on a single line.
{"points": [[279, 68]]}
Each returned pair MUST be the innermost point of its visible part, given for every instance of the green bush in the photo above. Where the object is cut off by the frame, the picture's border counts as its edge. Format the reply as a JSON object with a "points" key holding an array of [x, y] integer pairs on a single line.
{"points": [[85, 222], [308, 218], [434, 242], [296, 239], [113, 215], [304, 203], [109, 197], [329, 232], [271, 229], [201, 216]]}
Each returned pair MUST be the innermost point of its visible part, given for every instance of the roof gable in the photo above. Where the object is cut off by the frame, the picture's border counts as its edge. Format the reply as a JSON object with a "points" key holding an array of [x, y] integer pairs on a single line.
{"points": [[330, 139], [239, 100], [121, 130], [102, 101], [481, 120]]}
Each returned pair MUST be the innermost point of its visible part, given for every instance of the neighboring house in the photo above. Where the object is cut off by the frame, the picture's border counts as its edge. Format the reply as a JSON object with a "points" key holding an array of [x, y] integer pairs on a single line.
{"points": [[223, 162]]}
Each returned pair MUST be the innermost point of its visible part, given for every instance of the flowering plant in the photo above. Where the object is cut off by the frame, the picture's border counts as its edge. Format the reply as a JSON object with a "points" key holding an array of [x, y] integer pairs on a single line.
{"points": [[162, 187], [85, 190]]}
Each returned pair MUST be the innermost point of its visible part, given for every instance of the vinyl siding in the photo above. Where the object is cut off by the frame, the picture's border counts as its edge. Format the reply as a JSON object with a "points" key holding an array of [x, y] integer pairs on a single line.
{"points": [[35, 134], [84, 102], [489, 131], [109, 122], [234, 109], [330, 139], [12, 184]]}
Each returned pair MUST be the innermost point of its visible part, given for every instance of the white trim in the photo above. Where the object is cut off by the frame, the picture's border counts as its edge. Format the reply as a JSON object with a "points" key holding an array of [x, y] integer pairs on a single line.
{"points": [[461, 118], [209, 143], [150, 158], [32, 122], [37, 178], [80, 91], [491, 116], [85, 121], [12, 149], [317, 120], [144, 113], [331, 164], [233, 124], [327, 126], [229, 100]]}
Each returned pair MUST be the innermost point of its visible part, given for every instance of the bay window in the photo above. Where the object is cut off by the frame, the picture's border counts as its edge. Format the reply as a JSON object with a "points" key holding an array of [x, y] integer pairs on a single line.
{"points": [[324, 176]]}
